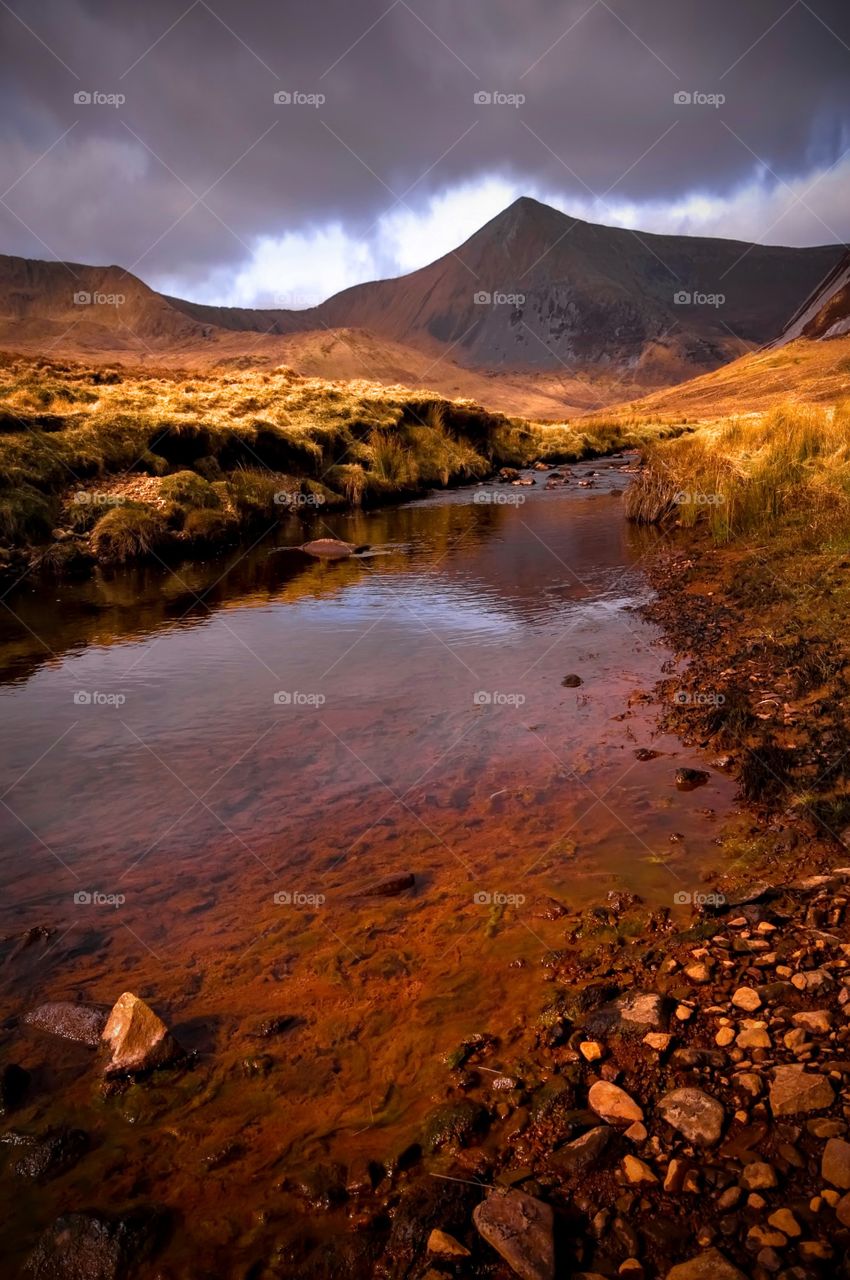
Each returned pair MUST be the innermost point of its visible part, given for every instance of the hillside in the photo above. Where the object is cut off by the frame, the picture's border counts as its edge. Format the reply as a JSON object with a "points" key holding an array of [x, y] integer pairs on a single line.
{"points": [[593, 317]]}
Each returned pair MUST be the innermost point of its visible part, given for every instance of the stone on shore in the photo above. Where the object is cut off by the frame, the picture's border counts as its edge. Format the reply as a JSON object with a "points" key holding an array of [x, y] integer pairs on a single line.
{"points": [[137, 1038], [613, 1103], [795, 1090], [442, 1245], [835, 1164], [520, 1229], [696, 1115], [632, 1012], [711, 1265]]}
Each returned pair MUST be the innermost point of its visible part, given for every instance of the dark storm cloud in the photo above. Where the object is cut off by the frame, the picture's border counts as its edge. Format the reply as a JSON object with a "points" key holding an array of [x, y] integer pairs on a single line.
{"points": [[399, 80]]}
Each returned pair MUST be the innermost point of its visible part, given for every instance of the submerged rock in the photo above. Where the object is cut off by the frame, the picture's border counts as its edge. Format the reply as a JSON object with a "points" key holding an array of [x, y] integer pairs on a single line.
{"points": [[14, 1082], [137, 1038], [82, 1023], [386, 886], [520, 1229], [51, 1155], [634, 1011], [90, 1246], [689, 779]]}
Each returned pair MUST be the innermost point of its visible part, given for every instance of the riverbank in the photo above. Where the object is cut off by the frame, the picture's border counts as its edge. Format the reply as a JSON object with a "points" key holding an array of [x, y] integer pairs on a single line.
{"points": [[109, 465]]}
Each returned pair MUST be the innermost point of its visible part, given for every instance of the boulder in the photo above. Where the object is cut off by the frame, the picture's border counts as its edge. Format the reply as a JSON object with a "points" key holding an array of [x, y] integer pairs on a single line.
{"points": [[137, 1039], [521, 1230], [82, 1023], [696, 1115], [795, 1090]]}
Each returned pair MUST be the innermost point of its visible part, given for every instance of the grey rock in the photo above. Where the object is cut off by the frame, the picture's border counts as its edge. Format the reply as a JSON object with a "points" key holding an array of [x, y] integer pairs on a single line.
{"points": [[82, 1023], [696, 1115]]}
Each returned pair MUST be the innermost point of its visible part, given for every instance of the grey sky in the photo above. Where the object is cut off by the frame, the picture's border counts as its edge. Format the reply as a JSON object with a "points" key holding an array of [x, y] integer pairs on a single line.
{"points": [[200, 181]]}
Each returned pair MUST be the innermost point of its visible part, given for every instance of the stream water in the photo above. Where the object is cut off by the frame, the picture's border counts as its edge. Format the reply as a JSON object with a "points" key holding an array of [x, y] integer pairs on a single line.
{"points": [[203, 767]]}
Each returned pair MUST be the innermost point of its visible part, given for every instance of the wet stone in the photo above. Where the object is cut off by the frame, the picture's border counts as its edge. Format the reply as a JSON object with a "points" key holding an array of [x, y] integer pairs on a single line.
{"points": [[520, 1229], [835, 1163], [583, 1152], [613, 1103], [53, 1154], [635, 1011], [82, 1023], [386, 886], [137, 1038], [91, 1246], [711, 1265]]}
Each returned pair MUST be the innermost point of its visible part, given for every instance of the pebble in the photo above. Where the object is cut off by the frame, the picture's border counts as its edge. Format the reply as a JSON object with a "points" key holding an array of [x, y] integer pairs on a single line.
{"points": [[747, 998], [637, 1171], [759, 1176], [613, 1103], [695, 1114], [835, 1163], [520, 1229]]}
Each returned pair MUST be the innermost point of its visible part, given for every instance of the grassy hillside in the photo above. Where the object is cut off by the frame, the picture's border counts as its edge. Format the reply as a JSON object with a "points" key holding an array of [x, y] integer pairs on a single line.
{"points": [[111, 464]]}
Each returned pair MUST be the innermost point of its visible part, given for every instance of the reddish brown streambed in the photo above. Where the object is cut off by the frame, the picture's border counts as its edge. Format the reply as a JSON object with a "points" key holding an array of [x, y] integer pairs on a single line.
{"points": [[421, 725]]}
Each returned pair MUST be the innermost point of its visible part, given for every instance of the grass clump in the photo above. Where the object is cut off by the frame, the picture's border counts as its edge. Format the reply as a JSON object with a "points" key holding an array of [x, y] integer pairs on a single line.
{"points": [[790, 466], [131, 532]]}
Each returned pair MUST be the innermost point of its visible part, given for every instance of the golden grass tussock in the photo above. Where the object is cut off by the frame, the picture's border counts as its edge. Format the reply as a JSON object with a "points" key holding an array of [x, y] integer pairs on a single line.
{"points": [[743, 475]]}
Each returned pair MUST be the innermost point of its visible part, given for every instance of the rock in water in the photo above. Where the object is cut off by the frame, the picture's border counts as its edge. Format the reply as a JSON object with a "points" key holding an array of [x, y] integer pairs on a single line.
{"points": [[521, 1229], [138, 1039], [89, 1246], [710, 1265], [688, 779], [632, 1012], [387, 886], [328, 548], [696, 1115], [82, 1023]]}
